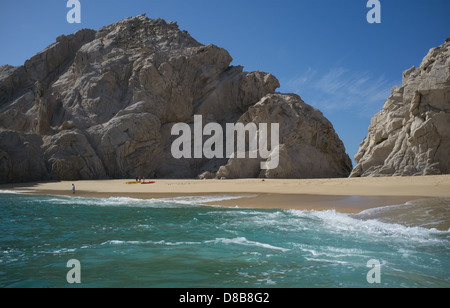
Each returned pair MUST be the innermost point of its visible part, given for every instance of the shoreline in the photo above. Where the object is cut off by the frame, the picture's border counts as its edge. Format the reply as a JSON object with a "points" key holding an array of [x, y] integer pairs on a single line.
{"points": [[341, 203], [345, 195]]}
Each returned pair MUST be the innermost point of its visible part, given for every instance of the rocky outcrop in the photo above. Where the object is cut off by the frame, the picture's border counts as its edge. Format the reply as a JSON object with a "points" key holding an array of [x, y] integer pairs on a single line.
{"points": [[411, 135], [101, 104], [308, 144]]}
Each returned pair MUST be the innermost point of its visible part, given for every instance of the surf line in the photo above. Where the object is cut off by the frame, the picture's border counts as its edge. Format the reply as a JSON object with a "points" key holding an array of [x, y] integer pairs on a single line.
{"points": [[258, 139]]}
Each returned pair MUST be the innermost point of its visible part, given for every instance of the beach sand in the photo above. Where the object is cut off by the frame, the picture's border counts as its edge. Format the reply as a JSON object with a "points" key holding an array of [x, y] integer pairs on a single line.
{"points": [[346, 195]]}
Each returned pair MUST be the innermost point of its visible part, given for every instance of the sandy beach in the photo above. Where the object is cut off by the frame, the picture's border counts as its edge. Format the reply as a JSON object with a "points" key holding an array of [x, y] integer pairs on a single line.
{"points": [[346, 195]]}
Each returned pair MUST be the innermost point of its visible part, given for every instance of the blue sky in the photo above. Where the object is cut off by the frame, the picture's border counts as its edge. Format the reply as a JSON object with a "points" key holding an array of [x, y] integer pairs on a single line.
{"points": [[323, 50]]}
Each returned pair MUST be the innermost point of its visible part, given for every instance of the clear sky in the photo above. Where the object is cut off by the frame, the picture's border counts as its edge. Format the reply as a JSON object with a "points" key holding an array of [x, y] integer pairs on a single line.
{"points": [[323, 50]]}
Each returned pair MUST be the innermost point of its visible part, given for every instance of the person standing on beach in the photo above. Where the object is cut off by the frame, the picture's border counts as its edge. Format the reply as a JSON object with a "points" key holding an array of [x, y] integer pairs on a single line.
{"points": [[73, 189]]}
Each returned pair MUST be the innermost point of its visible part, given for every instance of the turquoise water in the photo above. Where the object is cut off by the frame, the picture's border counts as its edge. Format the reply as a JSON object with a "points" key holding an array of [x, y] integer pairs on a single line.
{"points": [[123, 242]]}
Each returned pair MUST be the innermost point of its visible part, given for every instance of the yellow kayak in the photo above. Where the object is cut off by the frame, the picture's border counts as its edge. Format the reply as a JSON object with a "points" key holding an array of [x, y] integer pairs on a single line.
{"points": [[134, 182]]}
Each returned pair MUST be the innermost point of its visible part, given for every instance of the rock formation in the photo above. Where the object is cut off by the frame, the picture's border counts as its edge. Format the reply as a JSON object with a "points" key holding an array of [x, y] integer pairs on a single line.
{"points": [[101, 104], [308, 145], [411, 135]]}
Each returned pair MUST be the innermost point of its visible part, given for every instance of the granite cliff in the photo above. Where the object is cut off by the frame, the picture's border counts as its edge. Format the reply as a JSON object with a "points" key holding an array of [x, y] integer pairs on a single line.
{"points": [[410, 136], [101, 104]]}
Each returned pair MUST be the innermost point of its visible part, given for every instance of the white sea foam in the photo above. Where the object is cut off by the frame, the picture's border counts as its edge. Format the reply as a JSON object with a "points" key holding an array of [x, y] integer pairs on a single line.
{"points": [[340, 222], [246, 242], [428, 213], [238, 241], [5, 191], [162, 242], [135, 202], [326, 261], [199, 200], [63, 250], [332, 254], [113, 201]]}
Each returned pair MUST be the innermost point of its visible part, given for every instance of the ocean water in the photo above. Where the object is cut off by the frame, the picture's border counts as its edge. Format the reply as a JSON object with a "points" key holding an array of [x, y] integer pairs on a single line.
{"points": [[178, 243]]}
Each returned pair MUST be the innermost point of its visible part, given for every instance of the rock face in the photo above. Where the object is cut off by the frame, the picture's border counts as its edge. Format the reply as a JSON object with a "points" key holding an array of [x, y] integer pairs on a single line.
{"points": [[411, 135], [101, 104], [308, 145]]}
